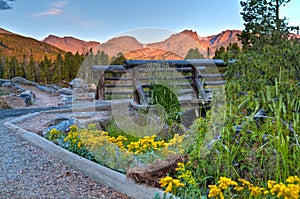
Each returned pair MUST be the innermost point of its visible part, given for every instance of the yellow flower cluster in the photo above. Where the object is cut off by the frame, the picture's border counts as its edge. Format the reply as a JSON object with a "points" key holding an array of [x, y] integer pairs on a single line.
{"points": [[170, 183], [215, 191], [53, 134], [94, 139], [185, 174], [119, 141], [145, 144], [290, 190], [176, 139], [73, 137], [224, 183]]}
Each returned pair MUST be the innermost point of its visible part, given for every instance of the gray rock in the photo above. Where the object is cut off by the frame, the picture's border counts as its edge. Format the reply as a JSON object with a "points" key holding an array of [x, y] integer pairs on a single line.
{"points": [[18, 87], [65, 100], [53, 86], [28, 96], [7, 84], [65, 91], [21, 80], [77, 83], [90, 88], [8, 102], [77, 91], [61, 126], [46, 89], [2, 81], [57, 120]]}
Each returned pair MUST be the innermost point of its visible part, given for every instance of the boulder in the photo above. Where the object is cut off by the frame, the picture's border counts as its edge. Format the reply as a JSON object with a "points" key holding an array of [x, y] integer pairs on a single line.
{"points": [[47, 89], [63, 126], [53, 86], [57, 120], [65, 91], [77, 83], [7, 84], [2, 81], [28, 96], [18, 87], [21, 80], [65, 100], [8, 102], [78, 91], [89, 88]]}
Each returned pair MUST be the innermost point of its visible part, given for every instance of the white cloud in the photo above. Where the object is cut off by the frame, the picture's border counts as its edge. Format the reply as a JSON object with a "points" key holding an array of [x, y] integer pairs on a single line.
{"points": [[55, 9], [59, 4]]}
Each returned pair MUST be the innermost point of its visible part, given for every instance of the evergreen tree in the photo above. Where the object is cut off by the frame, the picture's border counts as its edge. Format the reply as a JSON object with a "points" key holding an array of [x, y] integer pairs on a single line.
{"points": [[58, 67], [219, 52], [78, 59], [118, 60], [263, 24], [68, 67], [85, 71], [2, 63], [101, 58], [30, 70], [194, 54]]}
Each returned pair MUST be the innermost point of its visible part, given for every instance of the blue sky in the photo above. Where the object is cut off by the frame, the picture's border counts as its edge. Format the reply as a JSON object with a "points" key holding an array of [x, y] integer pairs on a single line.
{"points": [[100, 20]]}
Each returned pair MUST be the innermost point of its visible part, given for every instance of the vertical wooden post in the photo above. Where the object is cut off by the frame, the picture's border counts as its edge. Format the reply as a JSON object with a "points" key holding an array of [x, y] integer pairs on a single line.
{"points": [[138, 92], [194, 72], [136, 98], [101, 87]]}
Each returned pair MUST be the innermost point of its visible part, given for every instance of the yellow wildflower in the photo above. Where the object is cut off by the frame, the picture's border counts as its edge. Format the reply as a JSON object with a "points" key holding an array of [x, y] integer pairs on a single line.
{"points": [[170, 183], [214, 191], [293, 179], [80, 144], [271, 183], [238, 188], [224, 183], [245, 183], [169, 188], [256, 191]]}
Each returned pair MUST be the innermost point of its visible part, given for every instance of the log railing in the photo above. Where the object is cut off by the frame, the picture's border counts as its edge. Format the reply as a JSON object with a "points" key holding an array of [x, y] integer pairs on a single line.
{"points": [[130, 80]]}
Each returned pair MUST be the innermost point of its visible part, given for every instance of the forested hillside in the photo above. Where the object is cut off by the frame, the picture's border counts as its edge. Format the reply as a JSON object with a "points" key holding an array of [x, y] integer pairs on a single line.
{"points": [[24, 47]]}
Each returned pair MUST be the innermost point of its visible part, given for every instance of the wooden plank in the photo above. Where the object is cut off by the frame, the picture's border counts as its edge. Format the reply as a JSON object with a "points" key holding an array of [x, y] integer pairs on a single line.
{"points": [[214, 83], [172, 63], [119, 92], [117, 78], [111, 68], [209, 62], [118, 85], [211, 75]]}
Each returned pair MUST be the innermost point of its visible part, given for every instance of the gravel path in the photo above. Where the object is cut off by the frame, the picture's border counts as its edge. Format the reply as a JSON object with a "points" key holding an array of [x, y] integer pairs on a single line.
{"points": [[26, 171]]}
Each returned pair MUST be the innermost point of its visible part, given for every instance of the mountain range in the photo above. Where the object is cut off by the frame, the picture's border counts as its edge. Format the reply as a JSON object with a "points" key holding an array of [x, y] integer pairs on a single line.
{"points": [[174, 47]]}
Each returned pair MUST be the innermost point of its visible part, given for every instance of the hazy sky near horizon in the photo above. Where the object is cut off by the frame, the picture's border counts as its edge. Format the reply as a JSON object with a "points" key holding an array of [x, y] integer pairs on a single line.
{"points": [[100, 20]]}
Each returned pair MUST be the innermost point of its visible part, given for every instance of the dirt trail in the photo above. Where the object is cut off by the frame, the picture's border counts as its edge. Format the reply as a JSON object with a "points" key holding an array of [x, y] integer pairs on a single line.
{"points": [[43, 99]]}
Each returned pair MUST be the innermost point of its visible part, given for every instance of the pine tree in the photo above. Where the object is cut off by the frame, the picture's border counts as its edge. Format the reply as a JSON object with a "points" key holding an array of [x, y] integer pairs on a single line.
{"points": [[194, 53], [30, 70], [263, 24], [219, 52], [118, 60]]}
